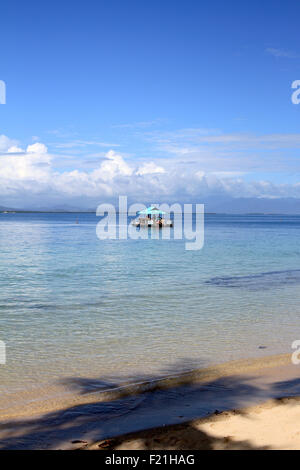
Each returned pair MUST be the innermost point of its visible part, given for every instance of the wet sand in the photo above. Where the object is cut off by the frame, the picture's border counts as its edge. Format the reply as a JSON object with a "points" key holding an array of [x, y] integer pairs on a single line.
{"points": [[201, 404]]}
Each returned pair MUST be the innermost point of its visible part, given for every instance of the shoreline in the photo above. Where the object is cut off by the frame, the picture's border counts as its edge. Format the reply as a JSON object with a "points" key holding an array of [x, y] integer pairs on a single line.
{"points": [[272, 425], [48, 398], [81, 420]]}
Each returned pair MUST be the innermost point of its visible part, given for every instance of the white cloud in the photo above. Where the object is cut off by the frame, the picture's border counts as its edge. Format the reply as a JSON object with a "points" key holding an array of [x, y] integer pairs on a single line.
{"points": [[83, 143], [228, 174], [200, 174], [15, 149], [114, 166], [149, 169], [140, 124], [31, 179], [6, 143], [37, 148], [32, 165], [215, 151], [277, 52]]}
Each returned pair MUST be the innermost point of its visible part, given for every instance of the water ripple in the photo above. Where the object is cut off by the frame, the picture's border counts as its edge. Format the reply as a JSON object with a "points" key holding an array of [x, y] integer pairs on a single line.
{"points": [[266, 280]]}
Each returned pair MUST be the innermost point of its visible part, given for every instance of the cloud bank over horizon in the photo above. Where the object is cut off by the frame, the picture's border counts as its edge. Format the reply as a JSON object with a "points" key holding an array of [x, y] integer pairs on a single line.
{"points": [[31, 179]]}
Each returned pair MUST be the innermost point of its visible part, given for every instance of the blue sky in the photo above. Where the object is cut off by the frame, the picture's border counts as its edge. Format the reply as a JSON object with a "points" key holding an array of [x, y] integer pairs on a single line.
{"points": [[187, 99]]}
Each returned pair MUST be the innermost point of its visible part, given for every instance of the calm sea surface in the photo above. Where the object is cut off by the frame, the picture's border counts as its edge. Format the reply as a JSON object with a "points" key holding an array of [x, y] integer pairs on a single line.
{"points": [[74, 306]]}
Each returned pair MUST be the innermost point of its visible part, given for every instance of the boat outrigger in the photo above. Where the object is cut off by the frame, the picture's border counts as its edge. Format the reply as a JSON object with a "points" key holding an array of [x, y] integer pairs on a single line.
{"points": [[152, 217]]}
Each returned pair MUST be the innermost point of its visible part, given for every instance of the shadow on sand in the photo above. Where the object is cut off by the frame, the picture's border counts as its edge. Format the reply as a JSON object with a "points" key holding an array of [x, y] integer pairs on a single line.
{"points": [[127, 410]]}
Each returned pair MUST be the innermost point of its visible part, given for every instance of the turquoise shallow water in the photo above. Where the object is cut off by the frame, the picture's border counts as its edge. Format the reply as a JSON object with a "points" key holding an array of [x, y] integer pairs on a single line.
{"points": [[74, 306]]}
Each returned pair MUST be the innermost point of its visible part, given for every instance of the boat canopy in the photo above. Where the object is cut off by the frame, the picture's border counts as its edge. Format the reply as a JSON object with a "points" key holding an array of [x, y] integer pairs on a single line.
{"points": [[152, 211]]}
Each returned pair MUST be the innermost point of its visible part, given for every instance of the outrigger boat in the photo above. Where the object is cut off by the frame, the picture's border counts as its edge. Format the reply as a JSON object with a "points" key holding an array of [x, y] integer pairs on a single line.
{"points": [[152, 217]]}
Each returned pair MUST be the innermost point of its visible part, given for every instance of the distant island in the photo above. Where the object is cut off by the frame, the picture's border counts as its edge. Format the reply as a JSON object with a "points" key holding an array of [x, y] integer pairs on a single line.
{"points": [[213, 205]]}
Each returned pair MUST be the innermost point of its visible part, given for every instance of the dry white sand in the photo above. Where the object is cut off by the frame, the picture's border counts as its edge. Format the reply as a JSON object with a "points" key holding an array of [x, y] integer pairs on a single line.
{"points": [[274, 425]]}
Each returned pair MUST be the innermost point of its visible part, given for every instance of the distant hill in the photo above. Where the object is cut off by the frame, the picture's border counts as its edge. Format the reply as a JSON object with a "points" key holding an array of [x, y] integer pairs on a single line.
{"points": [[253, 205], [2, 209], [216, 204]]}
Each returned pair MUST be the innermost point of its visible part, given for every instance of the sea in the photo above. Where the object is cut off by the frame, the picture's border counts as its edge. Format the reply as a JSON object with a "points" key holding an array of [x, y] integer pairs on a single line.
{"points": [[75, 306]]}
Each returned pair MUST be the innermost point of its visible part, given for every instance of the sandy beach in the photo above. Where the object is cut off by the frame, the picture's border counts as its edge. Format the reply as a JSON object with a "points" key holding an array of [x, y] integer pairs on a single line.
{"points": [[149, 226], [273, 425], [247, 404]]}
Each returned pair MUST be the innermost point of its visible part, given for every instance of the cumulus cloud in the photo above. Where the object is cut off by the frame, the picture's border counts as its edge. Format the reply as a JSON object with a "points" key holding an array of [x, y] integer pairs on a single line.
{"points": [[149, 169], [17, 167], [37, 148], [15, 149], [6, 143], [114, 166], [30, 179]]}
